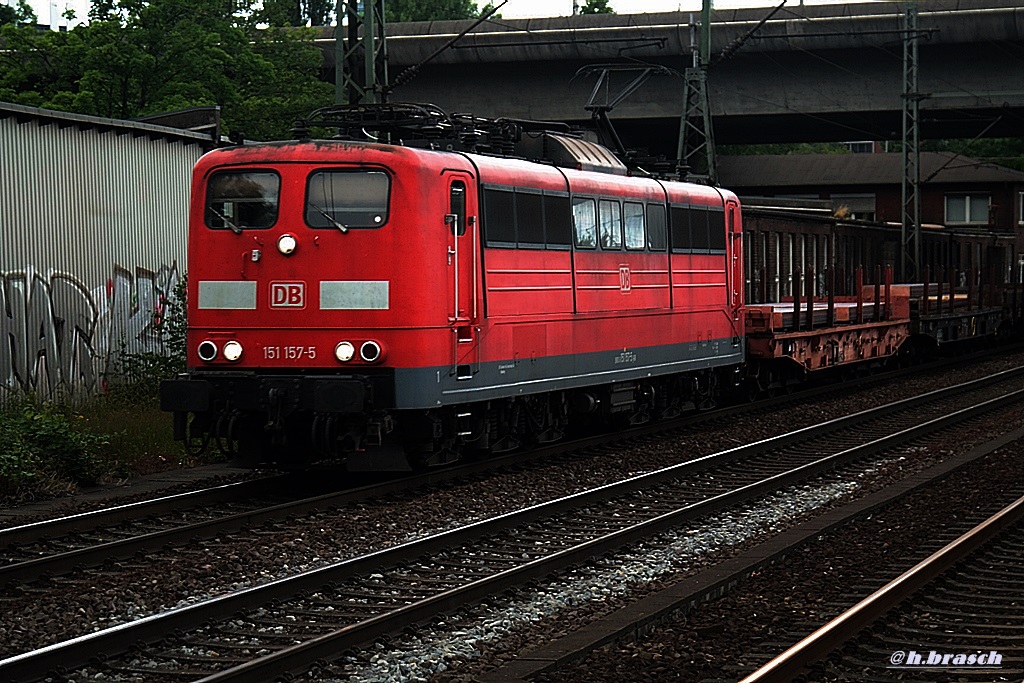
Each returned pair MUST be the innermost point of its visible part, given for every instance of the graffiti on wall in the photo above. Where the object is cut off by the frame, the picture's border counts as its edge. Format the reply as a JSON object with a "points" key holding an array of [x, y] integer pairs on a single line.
{"points": [[59, 338]]}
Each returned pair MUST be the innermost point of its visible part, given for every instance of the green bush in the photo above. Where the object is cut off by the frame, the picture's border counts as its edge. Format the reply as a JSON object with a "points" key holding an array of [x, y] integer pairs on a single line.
{"points": [[139, 374], [43, 441], [19, 466]]}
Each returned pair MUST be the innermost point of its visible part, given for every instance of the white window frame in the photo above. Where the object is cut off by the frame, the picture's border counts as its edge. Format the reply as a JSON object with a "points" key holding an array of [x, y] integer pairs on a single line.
{"points": [[967, 197]]}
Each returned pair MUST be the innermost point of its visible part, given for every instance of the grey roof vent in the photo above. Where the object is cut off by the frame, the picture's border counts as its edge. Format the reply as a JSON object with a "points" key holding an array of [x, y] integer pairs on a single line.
{"points": [[570, 152]]}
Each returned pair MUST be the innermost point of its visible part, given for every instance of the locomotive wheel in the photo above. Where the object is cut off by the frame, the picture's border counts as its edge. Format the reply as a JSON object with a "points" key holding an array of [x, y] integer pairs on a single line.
{"points": [[197, 435], [225, 431]]}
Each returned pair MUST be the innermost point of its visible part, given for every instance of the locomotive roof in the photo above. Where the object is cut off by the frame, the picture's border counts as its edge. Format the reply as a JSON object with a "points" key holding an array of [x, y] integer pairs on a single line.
{"points": [[493, 169]]}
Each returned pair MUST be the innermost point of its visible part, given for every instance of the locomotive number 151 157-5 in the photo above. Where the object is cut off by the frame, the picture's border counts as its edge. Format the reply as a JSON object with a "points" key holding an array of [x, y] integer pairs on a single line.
{"points": [[289, 352]]}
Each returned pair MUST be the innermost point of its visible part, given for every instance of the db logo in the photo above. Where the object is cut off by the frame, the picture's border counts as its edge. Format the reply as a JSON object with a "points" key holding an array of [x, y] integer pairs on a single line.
{"points": [[288, 294], [624, 283]]}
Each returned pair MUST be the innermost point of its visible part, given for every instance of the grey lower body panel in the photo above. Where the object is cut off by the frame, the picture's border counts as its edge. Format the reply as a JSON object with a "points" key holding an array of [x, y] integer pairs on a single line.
{"points": [[419, 388], [430, 387]]}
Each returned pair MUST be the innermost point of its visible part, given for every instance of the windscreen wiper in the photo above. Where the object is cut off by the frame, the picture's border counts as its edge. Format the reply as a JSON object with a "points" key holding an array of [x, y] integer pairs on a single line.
{"points": [[322, 212], [227, 221]]}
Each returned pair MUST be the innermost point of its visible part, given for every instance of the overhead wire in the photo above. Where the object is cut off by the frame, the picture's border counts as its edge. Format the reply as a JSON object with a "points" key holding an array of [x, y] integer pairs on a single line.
{"points": [[957, 155], [888, 51]]}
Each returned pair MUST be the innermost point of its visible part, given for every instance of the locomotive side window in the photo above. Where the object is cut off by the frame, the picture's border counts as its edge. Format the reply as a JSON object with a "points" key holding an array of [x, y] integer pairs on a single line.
{"points": [[681, 229], [237, 200], [656, 227], [529, 219], [699, 228], [584, 216], [499, 217], [457, 207], [349, 199], [633, 220], [557, 221], [716, 229], [611, 225]]}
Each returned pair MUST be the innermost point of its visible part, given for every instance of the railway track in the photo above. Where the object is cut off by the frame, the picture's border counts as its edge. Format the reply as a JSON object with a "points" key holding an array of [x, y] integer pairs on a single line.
{"points": [[59, 546], [955, 613], [351, 602]]}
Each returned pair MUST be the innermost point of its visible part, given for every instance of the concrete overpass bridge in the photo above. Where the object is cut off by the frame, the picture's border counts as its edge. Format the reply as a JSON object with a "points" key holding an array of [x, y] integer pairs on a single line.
{"points": [[811, 73]]}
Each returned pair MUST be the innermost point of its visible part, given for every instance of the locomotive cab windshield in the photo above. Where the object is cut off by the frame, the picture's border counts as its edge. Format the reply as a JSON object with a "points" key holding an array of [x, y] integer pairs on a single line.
{"points": [[238, 200], [349, 198]]}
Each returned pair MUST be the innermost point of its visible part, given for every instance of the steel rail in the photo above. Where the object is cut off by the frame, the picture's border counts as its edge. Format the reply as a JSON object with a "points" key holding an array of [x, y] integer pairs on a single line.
{"points": [[134, 512], [49, 528], [786, 666], [66, 562], [77, 651]]}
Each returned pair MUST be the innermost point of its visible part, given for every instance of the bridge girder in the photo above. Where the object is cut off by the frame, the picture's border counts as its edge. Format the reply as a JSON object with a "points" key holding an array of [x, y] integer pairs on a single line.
{"points": [[836, 76]]}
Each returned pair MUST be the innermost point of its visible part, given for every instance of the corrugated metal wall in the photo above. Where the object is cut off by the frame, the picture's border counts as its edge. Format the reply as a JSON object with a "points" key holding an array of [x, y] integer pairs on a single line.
{"points": [[92, 242]]}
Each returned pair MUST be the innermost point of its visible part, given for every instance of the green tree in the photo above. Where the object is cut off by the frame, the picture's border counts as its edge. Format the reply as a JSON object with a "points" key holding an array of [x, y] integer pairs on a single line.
{"points": [[139, 57], [596, 7], [282, 13], [297, 12], [786, 148], [1003, 151], [429, 10], [18, 14]]}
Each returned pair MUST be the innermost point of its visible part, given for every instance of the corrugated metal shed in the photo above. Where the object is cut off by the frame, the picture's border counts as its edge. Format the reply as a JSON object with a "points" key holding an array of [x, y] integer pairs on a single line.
{"points": [[93, 217]]}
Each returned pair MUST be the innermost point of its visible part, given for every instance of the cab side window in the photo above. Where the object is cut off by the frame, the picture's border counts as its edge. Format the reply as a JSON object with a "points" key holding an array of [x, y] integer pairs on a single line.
{"points": [[656, 227], [611, 225], [584, 217], [457, 207], [633, 220]]}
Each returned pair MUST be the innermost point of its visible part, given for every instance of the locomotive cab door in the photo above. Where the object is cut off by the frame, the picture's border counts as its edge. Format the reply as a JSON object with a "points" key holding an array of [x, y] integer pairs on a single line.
{"points": [[736, 278], [463, 249]]}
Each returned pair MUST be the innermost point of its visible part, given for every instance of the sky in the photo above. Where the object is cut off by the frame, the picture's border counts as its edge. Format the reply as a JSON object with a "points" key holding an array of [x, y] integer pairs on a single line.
{"points": [[515, 9]]}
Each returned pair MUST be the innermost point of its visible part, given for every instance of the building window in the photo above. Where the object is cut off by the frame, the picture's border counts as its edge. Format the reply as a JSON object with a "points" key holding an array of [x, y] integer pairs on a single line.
{"points": [[866, 147], [1020, 208], [969, 209]]}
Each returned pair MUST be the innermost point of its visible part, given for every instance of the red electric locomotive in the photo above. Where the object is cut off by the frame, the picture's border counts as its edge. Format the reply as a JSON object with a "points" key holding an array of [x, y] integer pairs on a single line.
{"points": [[477, 287]]}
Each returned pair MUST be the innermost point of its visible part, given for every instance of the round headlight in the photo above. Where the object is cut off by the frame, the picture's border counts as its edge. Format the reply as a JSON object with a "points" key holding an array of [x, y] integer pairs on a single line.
{"points": [[207, 350], [232, 351], [344, 351], [369, 351], [286, 244]]}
